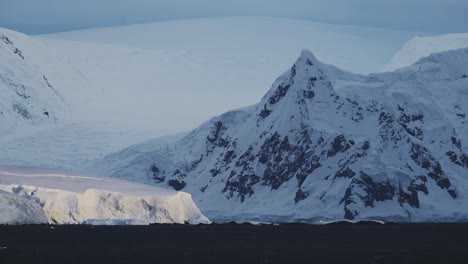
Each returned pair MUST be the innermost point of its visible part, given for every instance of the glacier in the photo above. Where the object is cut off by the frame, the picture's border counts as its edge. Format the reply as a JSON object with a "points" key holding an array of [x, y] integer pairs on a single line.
{"points": [[36, 195]]}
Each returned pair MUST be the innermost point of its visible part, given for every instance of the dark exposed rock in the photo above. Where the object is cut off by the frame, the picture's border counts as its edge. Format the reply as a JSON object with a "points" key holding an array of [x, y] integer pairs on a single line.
{"points": [[456, 142], [21, 111], [285, 160], [453, 156], [347, 198], [215, 132], [375, 191], [265, 112], [366, 145], [415, 132], [406, 120], [352, 102], [357, 116], [279, 93], [419, 184], [416, 117], [368, 191], [229, 156], [350, 215], [340, 144], [464, 160], [157, 174], [345, 173], [422, 157], [409, 197], [460, 161], [179, 174], [389, 133], [215, 137], [195, 164], [241, 185], [20, 90], [302, 175], [268, 147], [5, 39], [177, 184], [19, 53], [47, 81], [300, 195], [214, 172], [245, 158], [308, 94]]}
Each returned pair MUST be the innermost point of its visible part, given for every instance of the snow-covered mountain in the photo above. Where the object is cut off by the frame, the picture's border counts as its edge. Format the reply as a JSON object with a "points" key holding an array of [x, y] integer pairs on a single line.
{"points": [[419, 47], [27, 95], [325, 144], [33, 195]]}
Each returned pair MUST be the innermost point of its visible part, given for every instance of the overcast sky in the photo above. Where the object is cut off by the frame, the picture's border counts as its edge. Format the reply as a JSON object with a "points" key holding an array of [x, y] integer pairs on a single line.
{"points": [[44, 16]]}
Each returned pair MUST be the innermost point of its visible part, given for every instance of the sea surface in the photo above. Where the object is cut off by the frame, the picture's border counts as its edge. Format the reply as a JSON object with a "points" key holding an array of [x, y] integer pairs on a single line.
{"points": [[234, 243]]}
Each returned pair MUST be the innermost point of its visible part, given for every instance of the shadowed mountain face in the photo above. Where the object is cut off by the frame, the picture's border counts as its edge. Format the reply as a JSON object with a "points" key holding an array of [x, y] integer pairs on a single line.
{"points": [[326, 144]]}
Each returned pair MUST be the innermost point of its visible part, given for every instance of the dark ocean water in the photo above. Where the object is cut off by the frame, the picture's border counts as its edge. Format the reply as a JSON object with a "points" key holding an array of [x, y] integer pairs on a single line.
{"points": [[401, 243]]}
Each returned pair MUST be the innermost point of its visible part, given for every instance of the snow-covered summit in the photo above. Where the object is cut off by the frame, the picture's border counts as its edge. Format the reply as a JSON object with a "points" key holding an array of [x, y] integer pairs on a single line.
{"points": [[420, 47], [325, 144], [34, 195]]}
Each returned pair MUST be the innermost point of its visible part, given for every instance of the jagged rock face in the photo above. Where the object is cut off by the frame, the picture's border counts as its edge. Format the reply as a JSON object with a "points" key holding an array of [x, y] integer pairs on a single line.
{"points": [[27, 96], [324, 144]]}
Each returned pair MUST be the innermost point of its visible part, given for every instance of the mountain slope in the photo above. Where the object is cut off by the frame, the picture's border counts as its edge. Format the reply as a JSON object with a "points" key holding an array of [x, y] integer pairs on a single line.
{"points": [[326, 144], [28, 96], [420, 47], [34, 195]]}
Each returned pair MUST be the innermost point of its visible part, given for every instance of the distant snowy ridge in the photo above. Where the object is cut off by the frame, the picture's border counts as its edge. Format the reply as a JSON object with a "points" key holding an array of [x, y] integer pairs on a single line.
{"points": [[420, 47], [27, 95], [323, 145], [33, 195]]}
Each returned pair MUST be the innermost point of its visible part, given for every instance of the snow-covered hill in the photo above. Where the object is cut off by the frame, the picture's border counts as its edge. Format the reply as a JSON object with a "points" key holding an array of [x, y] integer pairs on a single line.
{"points": [[27, 94], [325, 144], [45, 114], [33, 195], [420, 47]]}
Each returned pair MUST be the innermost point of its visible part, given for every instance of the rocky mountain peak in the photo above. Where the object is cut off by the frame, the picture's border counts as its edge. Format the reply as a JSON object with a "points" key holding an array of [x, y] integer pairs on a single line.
{"points": [[376, 148]]}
